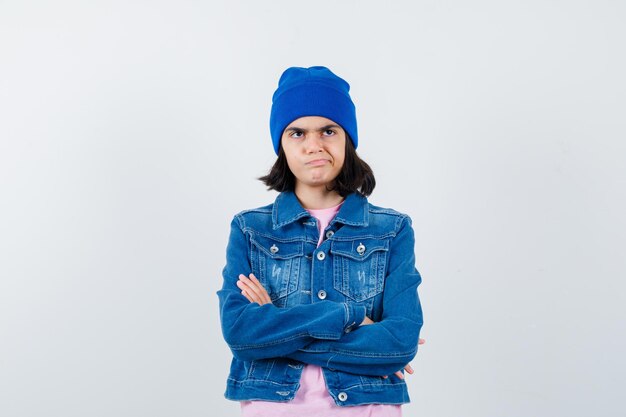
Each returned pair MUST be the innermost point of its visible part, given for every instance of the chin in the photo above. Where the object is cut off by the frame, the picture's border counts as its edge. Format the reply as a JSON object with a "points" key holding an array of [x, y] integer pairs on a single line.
{"points": [[317, 183]]}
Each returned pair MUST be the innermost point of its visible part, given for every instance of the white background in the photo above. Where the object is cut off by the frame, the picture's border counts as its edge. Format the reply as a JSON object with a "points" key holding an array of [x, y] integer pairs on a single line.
{"points": [[132, 131]]}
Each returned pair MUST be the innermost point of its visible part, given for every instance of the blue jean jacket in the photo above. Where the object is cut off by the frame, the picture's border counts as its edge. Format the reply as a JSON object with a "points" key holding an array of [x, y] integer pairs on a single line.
{"points": [[320, 295]]}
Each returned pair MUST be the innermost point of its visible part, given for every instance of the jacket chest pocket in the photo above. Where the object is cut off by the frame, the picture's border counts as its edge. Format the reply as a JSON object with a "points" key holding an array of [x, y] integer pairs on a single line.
{"points": [[277, 265], [359, 267]]}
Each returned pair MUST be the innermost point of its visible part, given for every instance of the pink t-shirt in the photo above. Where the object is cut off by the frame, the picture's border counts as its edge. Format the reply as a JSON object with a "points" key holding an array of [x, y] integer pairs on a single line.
{"points": [[312, 398]]}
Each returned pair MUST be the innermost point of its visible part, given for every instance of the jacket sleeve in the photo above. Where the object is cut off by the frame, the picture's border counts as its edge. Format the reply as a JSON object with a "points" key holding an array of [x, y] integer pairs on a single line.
{"points": [[256, 332], [387, 346]]}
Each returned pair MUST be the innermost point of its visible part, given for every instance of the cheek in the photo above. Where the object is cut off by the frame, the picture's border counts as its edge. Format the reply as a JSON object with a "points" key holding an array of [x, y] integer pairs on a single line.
{"points": [[288, 154], [291, 164], [340, 157], [339, 164]]}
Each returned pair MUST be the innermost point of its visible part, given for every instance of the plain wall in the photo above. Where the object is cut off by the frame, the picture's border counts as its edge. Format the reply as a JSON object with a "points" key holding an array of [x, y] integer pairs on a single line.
{"points": [[132, 131]]}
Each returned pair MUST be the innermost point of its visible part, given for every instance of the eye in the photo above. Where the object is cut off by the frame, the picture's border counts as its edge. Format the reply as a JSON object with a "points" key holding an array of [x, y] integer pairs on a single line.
{"points": [[329, 132], [296, 133]]}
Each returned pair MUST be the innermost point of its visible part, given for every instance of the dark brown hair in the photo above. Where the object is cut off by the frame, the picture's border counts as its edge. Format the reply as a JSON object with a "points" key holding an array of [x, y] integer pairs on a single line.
{"points": [[355, 175]]}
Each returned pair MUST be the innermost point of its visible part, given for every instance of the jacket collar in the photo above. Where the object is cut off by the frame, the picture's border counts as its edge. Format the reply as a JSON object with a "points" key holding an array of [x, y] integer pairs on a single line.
{"points": [[287, 209]]}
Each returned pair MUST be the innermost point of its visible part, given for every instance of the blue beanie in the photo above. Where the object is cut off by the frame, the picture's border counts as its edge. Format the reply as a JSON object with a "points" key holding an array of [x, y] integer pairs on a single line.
{"points": [[313, 91]]}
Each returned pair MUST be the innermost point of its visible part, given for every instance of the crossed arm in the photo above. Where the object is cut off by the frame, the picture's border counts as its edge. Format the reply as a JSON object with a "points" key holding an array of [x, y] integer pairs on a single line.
{"points": [[253, 290], [319, 333]]}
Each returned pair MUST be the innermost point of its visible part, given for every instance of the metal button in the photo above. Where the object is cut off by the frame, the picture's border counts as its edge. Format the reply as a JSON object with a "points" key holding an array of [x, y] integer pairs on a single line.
{"points": [[321, 294], [342, 396], [360, 249], [321, 256], [329, 234], [274, 249]]}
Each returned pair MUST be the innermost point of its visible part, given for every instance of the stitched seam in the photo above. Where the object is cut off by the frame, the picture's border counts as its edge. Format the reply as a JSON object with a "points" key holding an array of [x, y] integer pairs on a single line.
{"points": [[272, 343], [291, 220], [398, 385], [360, 354], [370, 236], [278, 239], [374, 355], [256, 210], [268, 381], [316, 335], [379, 210]]}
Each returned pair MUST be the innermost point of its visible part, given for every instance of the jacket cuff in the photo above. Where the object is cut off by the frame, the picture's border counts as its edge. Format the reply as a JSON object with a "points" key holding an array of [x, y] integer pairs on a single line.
{"points": [[355, 314]]}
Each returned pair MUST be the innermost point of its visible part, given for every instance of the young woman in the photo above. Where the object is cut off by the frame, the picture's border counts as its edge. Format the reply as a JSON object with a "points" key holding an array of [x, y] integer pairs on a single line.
{"points": [[319, 302]]}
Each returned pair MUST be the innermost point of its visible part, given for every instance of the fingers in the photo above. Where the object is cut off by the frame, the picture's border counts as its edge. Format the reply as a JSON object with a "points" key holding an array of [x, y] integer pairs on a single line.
{"points": [[399, 374], [266, 296], [253, 290], [250, 288], [247, 292]]}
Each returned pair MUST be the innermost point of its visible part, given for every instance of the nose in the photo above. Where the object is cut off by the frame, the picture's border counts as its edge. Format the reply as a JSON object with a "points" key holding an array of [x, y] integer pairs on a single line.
{"points": [[313, 144]]}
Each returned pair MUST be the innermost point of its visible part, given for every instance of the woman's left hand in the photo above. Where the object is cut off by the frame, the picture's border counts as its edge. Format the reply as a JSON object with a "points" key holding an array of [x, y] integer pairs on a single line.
{"points": [[407, 368], [253, 290]]}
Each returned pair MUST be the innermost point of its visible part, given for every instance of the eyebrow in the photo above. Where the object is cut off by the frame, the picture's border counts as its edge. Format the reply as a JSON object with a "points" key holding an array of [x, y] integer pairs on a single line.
{"points": [[321, 129]]}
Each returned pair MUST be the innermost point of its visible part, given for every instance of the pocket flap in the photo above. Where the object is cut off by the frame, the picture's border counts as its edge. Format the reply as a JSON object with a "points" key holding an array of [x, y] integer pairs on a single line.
{"points": [[358, 249], [276, 249]]}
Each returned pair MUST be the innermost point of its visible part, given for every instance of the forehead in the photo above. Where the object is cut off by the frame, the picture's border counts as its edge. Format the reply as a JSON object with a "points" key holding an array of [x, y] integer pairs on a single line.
{"points": [[311, 122]]}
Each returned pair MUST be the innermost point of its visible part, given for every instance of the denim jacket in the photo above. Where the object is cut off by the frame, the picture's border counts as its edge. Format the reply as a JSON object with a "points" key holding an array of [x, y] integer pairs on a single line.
{"points": [[320, 295]]}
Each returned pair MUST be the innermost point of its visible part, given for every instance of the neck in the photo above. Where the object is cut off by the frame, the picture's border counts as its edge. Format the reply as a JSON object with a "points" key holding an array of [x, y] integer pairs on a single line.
{"points": [[317, 197]]}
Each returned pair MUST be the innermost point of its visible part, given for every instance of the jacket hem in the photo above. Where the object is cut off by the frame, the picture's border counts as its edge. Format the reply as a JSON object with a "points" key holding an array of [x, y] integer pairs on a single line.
{"points": [[356, 395]]}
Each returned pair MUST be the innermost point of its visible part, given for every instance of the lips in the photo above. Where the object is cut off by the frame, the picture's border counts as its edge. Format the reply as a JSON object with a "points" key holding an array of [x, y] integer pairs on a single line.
{"points": [[317, 162]]}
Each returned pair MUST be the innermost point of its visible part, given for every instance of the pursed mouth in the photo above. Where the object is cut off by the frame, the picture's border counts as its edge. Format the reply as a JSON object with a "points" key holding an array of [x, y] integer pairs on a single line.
{"points": [[317, 162]]}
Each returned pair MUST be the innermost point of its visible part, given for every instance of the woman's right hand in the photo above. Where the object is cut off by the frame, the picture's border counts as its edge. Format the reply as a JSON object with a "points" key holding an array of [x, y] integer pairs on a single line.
{"points": [[253, 290]]}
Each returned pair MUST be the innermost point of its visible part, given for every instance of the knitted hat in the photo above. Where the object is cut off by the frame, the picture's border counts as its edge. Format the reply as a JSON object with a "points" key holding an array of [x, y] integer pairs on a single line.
{"points": [[313, 91]]}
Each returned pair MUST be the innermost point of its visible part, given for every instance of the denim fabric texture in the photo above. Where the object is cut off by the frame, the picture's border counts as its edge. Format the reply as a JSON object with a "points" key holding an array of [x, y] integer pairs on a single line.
{"points": [[320, 295]]}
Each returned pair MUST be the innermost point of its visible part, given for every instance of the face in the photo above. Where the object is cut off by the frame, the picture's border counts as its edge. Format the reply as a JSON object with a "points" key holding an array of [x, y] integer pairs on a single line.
{"points": [[315, 150]]}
